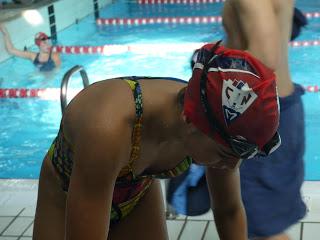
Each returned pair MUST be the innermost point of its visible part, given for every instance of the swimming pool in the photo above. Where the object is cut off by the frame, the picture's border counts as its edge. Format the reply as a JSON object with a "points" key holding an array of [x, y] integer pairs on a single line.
{"points": [[28, 126]]}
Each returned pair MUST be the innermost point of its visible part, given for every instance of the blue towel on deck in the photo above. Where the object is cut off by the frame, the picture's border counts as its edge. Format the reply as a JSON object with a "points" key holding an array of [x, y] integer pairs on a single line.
{"points": [[188, 193]]}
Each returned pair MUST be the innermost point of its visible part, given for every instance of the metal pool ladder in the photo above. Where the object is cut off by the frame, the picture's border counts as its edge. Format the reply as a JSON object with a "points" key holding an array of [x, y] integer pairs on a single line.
{"points": [[65, 81]]}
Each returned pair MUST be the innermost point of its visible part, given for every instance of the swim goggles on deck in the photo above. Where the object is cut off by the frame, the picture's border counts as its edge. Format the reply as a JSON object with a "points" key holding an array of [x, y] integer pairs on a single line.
{"points": [[241, 147]]}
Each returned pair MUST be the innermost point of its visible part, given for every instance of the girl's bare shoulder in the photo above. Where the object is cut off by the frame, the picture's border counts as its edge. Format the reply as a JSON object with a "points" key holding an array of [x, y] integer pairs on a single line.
{"points": [[106, 106]]}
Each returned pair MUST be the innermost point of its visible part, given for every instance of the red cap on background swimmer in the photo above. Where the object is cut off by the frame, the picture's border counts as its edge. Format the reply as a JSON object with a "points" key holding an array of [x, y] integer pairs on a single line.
{"points": [[40, 36], [241, 93]]}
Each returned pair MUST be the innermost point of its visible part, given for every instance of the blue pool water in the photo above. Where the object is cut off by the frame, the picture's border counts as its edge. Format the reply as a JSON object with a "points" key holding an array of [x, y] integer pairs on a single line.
{"points": [[28, 126]]}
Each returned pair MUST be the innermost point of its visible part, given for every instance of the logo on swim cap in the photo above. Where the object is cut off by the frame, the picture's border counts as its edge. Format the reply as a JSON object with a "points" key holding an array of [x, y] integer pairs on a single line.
{"points": [[237, 96]]}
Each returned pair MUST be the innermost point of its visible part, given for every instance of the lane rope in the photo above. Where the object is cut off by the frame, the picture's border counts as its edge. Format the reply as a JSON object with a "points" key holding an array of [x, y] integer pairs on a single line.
{"points": [[41, 93], [173, 20], [152, 48], [179, 1], [54, 93], [158, 20]]}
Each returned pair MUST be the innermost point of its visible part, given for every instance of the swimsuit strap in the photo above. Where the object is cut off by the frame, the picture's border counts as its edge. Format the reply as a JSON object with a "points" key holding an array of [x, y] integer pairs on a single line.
{"points": [[127, 174], [38, 54], [36, 59], [50, 53], [136, 133]]}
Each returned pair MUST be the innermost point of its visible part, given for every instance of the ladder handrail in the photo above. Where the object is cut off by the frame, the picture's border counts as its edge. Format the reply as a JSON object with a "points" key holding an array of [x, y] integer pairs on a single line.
{"points": [[65, 81]]}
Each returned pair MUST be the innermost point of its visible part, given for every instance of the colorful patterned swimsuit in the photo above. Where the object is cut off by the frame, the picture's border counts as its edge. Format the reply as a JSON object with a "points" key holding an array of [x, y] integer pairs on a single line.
{"points": [[129, 189]]}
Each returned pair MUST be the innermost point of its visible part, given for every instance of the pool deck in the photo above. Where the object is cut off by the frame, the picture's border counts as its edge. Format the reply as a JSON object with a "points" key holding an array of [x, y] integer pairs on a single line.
{"points": [[18, 199]]}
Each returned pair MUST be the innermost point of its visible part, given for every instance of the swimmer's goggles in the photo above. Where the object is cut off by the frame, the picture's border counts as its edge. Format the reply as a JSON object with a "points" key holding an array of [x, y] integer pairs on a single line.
{"points": [[45, 38], [241, 147]]}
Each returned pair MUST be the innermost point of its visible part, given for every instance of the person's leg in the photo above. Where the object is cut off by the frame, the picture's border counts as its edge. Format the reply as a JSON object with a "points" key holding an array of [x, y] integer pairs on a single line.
{"points": [[49, 223], [271, 185], [146, 221]]}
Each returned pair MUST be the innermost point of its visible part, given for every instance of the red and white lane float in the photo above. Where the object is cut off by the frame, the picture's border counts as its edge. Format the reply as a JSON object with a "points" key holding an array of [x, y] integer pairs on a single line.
{"points": [[305, 43], [173, 20], [178, 1], [158, 20], [54, 93], [40, 93], [105, 49], [151, 48], [311, 15], [134, 48], [79, 49], [312, 89]]}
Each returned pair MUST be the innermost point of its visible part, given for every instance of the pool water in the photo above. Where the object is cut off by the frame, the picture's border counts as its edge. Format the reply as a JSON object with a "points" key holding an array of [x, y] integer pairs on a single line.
{"points": [[28, 126]]}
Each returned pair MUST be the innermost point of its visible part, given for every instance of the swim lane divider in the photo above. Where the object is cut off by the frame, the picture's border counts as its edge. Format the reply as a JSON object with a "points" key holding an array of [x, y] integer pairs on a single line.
{"points": [[158, 20], [42, 93], [172, 20], [152, 48], [179, 1], [54, 93]]}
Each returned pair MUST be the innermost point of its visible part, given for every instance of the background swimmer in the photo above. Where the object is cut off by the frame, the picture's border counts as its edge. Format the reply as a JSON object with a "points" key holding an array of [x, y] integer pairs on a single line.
{"points": [[45, 60]]}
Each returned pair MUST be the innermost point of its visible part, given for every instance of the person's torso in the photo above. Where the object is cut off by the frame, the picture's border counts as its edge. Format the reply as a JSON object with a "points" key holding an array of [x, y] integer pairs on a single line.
{"points": [[167, 155], [134, 180], [46, 64], [283, 13]]}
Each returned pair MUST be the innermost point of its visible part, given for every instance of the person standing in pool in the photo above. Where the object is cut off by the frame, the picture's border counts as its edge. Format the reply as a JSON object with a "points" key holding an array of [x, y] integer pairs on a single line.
{"points": [[271, 188], [45, 60]]}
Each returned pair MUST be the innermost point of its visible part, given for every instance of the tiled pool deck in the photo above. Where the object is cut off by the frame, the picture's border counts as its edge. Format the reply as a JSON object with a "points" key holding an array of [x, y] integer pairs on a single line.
{"points": [[18, 198]]}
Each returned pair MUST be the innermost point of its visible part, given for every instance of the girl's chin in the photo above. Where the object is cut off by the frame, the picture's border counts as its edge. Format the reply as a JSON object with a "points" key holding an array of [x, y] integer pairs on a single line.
{"points": [[46, 50]]}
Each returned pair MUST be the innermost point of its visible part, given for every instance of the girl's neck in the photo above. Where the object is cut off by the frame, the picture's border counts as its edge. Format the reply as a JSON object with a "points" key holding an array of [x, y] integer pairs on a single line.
{"points": [[165, 123]]}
